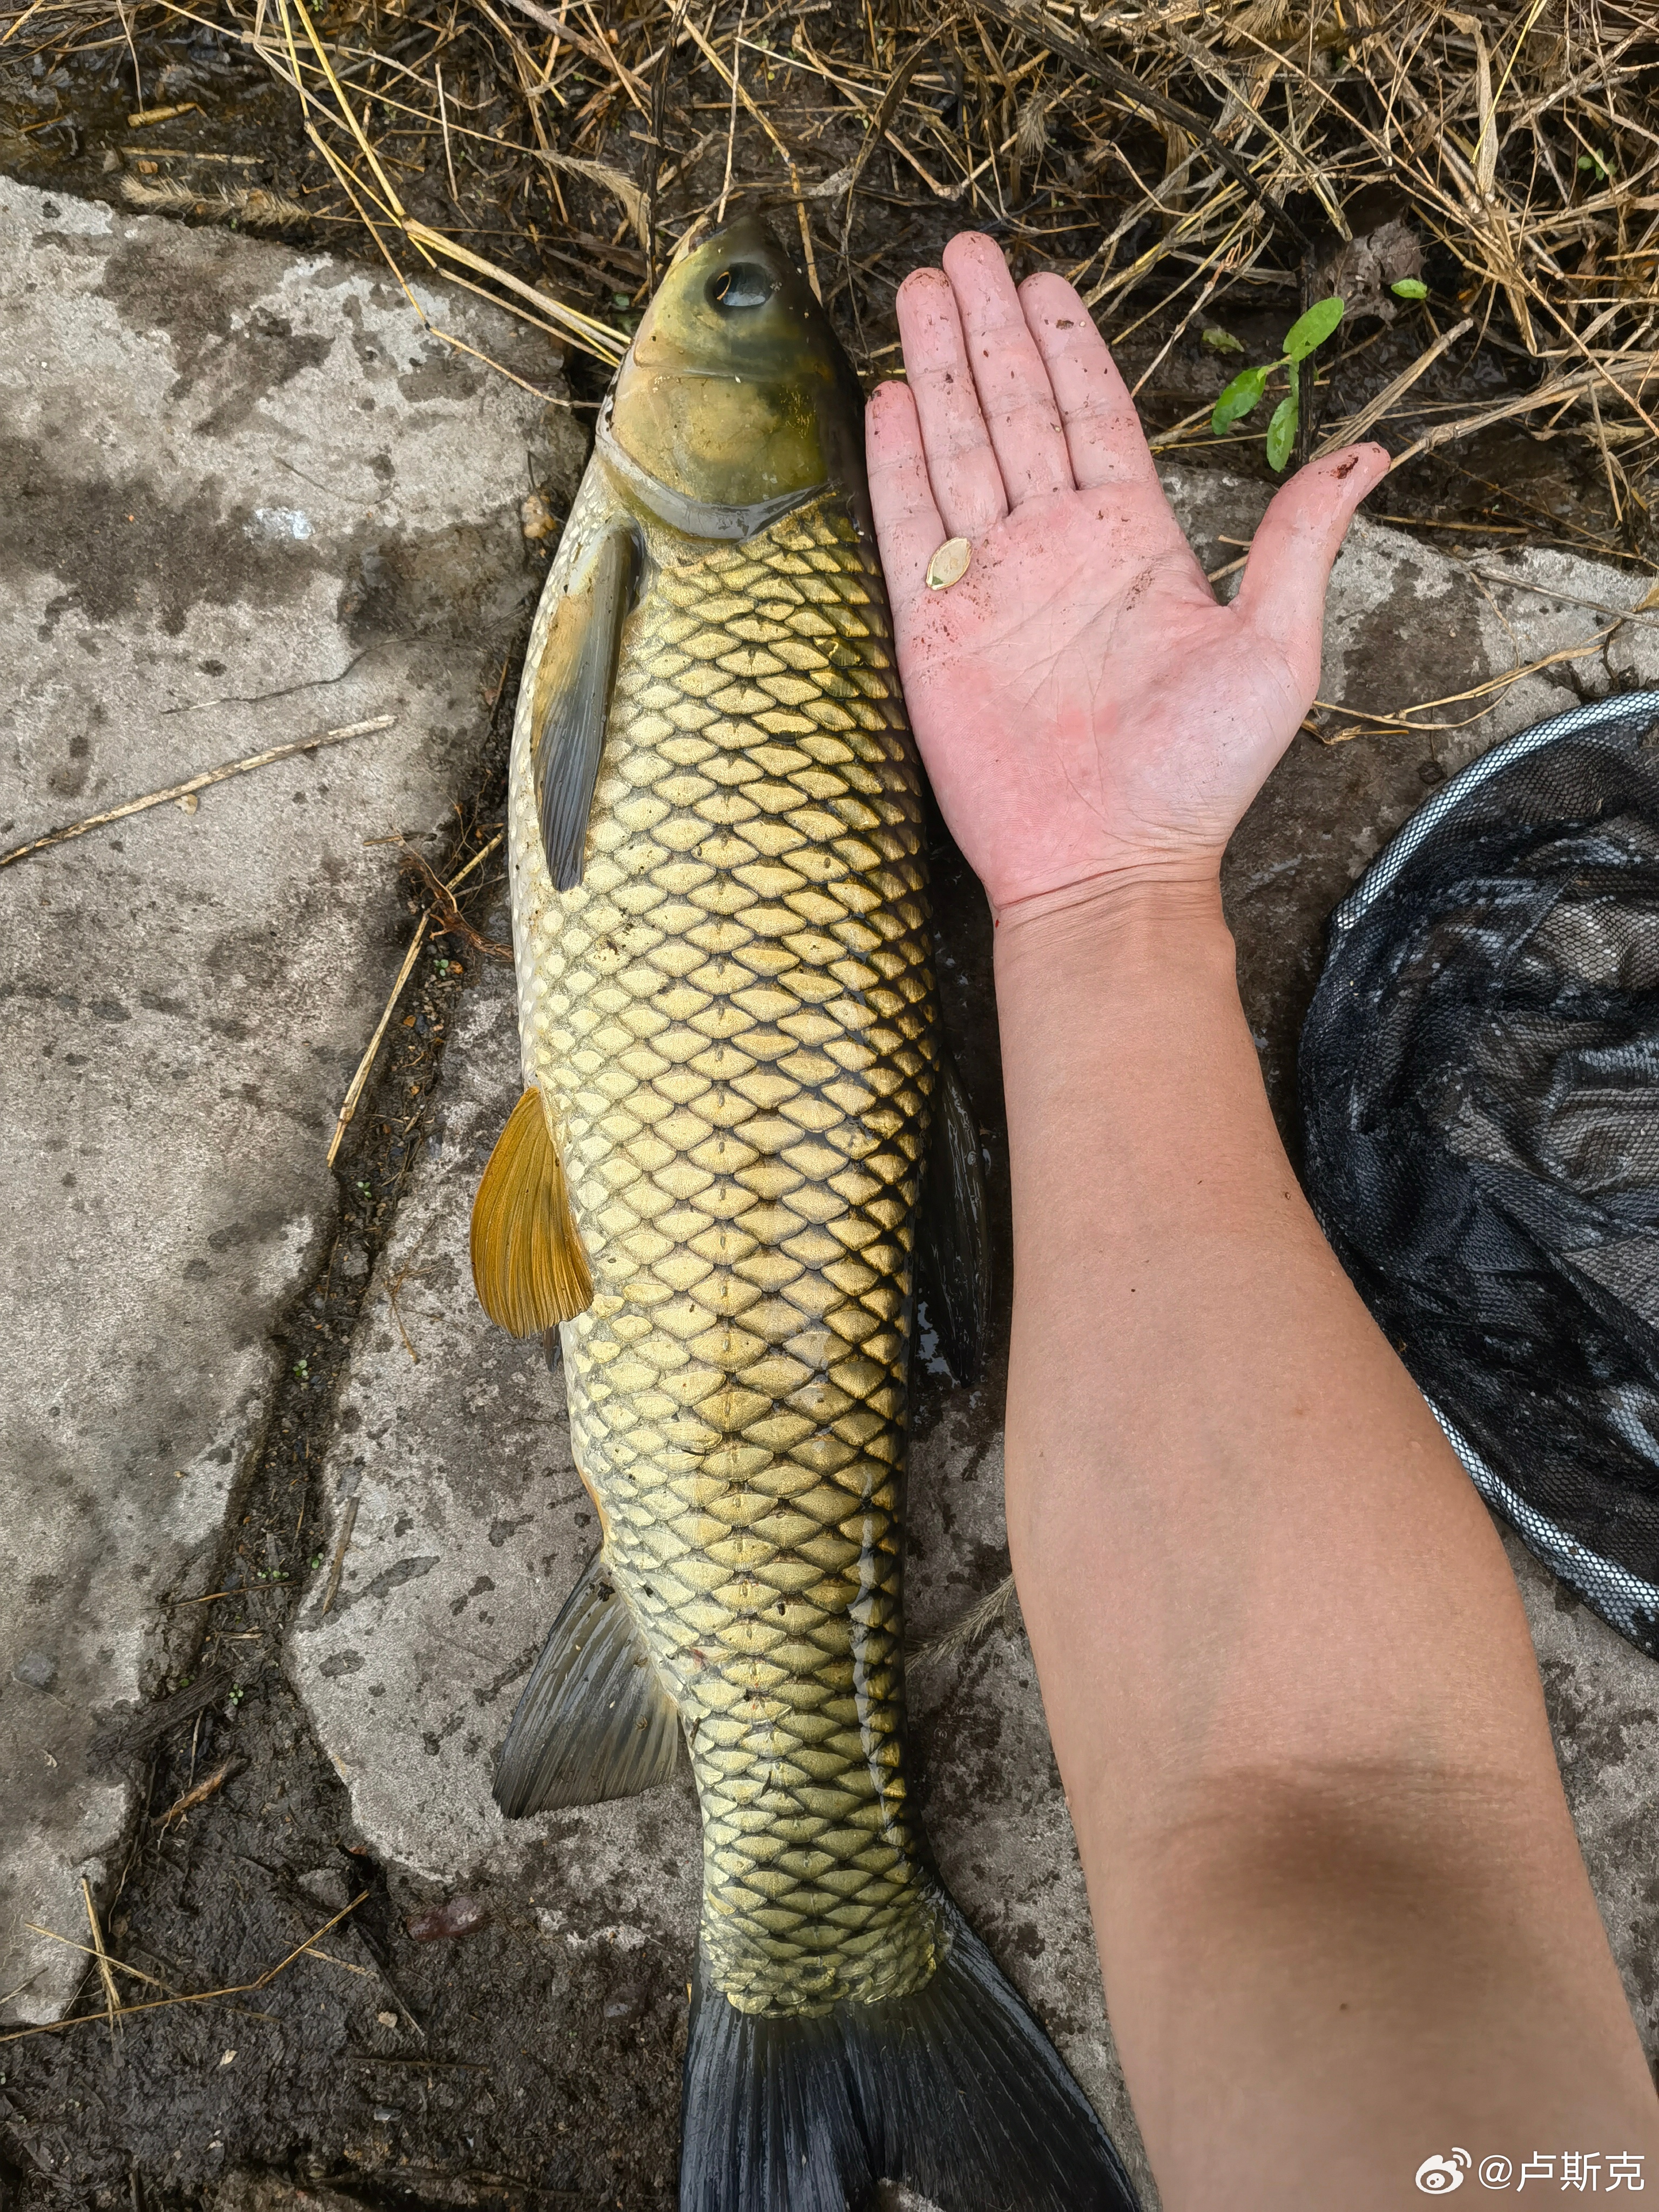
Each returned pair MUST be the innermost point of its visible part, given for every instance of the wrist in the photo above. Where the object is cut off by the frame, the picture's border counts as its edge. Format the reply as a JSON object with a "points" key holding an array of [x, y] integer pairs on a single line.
{"points": [[1141, 904], [1126, 947]]}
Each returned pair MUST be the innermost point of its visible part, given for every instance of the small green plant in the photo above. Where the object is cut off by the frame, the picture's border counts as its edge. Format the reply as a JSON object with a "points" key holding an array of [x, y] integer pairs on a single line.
{"points": [[1220, 341], [1588, 162], [237, 1694], [1409, 288], [1306, 334], [316, 1561], [302, 1370]]}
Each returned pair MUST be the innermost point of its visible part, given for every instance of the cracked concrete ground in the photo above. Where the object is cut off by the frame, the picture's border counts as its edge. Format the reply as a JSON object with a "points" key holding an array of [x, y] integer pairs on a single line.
{"points": [[245, 497], [452, 1508]]}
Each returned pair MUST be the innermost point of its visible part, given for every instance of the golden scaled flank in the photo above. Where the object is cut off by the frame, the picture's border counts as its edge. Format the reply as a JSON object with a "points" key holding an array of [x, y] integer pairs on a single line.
{"points": [[733, 1023]]}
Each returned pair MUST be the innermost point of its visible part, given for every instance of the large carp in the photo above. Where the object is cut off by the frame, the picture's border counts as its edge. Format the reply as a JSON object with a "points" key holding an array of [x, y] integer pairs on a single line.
{"points": [[737, 1131]]}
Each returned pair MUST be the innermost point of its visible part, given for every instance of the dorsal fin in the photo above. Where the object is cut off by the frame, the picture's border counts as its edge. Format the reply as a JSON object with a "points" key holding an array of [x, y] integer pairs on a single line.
{"points": [[572, 697], [594, 1720], [528, 1265], [953, 1231]]}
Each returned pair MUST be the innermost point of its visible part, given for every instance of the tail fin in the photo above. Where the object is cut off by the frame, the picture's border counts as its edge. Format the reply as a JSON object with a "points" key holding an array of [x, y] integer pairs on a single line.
{"points": [[955, 2091]]}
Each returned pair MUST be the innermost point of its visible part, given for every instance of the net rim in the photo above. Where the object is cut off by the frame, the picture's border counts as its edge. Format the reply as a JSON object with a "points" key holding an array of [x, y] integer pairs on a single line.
{"points": [[1600, 715]]}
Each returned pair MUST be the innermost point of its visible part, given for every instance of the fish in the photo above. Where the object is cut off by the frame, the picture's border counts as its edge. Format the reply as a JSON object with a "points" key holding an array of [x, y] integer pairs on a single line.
{"points": [[740, 1154]]}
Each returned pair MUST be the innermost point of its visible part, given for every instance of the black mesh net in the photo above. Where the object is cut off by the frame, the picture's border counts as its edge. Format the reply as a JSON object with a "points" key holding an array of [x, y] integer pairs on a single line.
{"points": [[1480, 1090]]}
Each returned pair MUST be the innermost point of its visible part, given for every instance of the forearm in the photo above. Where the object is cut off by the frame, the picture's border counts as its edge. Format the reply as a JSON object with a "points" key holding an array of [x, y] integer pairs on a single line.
{"points": [[1260, 1591], [1172, 1288]]}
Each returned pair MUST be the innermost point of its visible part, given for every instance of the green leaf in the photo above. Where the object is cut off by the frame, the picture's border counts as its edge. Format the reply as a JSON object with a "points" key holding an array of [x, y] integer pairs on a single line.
{"points": [[1312, 329], [1410, 288], [1281, 433], [1240, 396], [1222, 341]]}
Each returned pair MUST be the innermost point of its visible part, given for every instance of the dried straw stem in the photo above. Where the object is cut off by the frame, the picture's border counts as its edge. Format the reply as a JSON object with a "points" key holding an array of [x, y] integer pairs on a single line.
{"points": [[1179, 159]]}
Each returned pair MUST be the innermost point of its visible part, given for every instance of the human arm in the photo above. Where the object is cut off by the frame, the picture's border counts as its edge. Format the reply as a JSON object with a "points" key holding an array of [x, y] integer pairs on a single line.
{"points": [[1340, 1909]]}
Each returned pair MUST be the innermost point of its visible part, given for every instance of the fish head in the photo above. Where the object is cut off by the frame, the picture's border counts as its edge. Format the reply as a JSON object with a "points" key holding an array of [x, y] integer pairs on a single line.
{"points": [[736, 391]]}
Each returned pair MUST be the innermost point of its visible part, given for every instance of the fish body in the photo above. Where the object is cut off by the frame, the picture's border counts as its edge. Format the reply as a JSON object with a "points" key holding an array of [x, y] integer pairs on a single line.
{"points": [[734, 1078], [732, 1024]]}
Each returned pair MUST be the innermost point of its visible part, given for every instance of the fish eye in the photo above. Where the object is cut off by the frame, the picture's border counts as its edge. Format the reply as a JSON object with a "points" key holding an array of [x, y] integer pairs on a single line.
{"points": [[741, 284]]}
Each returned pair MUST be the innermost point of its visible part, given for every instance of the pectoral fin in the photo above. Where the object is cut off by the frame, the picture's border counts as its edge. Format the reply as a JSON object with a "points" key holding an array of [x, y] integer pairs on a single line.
{"points": [[572, 697], [594, 1720], [953, 1232], [528, 1265]]}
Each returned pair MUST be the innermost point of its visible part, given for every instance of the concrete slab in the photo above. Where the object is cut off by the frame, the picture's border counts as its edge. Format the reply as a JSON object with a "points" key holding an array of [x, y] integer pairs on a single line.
{"points": [[245, 496], [451, 1479]]}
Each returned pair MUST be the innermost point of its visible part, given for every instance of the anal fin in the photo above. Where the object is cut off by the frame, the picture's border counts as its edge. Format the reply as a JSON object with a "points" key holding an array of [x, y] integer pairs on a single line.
{"points": [[953, 1231], [594, 1720], [528, 1265]]}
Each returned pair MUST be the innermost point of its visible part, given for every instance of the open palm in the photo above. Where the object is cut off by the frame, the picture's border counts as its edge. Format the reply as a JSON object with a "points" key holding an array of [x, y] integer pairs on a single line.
{"points": [[1082, 704]]}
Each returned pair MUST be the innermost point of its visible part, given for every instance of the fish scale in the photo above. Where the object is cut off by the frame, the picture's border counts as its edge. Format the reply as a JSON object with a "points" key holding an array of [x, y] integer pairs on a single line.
{"points": [[731, 1021]]}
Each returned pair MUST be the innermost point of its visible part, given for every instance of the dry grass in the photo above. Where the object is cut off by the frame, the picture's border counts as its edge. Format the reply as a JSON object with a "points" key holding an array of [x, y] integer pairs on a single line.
{"points": [[250, 205], [179, 793], [1186, 163]]}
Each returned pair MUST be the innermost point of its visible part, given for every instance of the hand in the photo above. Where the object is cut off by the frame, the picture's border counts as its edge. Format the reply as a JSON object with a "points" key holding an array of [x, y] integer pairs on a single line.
{"points": [[1084, 706]]}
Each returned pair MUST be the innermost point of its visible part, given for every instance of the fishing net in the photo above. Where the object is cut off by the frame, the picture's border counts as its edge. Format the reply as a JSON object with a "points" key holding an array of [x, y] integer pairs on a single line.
{"points": [[1480, 1092]]}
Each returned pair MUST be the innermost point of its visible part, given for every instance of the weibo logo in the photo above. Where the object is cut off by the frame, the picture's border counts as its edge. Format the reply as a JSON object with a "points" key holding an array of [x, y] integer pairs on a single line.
{"points": [[1438, 2175]]}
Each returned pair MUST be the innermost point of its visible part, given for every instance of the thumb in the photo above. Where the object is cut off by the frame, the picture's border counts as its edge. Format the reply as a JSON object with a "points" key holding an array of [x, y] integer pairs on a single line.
{"points": [[1281, 594]]}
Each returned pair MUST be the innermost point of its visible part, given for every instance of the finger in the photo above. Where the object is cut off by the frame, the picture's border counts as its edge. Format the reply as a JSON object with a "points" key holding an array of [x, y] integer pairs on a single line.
{"points": [[908, 527], [961, 465], [1015, 397], [1104, 441], [1281, 594]]}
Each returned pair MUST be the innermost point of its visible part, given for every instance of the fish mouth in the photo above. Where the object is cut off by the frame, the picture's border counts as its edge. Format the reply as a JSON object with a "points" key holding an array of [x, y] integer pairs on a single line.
{"points": [[690, 241], [746, 235]]}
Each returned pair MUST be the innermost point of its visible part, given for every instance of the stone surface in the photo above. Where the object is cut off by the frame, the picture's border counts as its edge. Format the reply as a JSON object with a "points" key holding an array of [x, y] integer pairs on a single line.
{"points": [[245, 496], [451, 1473]]}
